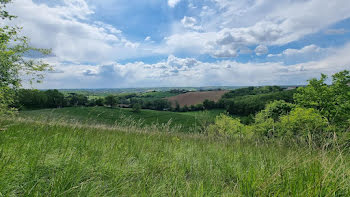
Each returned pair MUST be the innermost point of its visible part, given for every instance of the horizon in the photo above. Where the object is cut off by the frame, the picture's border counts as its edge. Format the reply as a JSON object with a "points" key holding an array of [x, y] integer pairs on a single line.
{"points": [[185, 43]]}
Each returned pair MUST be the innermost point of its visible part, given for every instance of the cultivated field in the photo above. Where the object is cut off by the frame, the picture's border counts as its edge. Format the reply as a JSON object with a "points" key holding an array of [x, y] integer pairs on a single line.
{"points": [[194, 98]]}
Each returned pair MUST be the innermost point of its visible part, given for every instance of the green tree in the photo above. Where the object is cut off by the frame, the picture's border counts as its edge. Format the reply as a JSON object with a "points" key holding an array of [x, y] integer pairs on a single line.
{"points": [[13, 49], [207, 104], [275, 109], [177, 106], [136, 108], [185, 108], [111, 100], [54, 98], [332, 101]]}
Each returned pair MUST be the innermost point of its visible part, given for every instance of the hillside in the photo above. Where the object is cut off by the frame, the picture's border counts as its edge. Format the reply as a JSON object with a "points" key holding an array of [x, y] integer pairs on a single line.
{"points": [[119, 116], [194, 98], [38, 158]]}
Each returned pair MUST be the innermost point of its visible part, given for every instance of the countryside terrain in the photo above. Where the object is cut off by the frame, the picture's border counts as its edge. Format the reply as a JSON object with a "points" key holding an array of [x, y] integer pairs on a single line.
{"points": [[91, 150], [269, 140]]}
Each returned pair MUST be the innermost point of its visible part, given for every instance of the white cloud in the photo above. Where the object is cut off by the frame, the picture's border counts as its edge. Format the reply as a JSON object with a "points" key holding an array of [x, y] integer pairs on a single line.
{"points": [[175, 71], [237, 24], [148, 38], [225, 53], [70, 32], [173, 3], [305, 54], [336, 31], [261, 50], [190, 22], [307, 49]]}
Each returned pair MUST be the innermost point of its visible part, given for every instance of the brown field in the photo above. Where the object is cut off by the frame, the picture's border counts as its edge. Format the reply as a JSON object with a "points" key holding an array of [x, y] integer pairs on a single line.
{"points": [[193, 98]]}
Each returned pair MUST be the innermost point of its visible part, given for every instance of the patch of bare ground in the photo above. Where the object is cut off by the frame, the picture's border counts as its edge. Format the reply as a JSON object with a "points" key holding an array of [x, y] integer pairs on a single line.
{"points": [[194, 98]]}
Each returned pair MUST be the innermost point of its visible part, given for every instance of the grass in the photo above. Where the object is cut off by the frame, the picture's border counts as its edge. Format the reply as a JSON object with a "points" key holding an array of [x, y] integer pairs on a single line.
{"points": [[102, 115], [38, 158]]}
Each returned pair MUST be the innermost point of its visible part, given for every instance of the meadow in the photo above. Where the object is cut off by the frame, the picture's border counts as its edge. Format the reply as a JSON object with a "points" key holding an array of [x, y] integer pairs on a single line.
{"points": [[188, 121], [64, 159]]}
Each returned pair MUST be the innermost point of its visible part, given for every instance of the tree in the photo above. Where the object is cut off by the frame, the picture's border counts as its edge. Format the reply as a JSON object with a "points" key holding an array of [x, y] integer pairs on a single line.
{"points": [[136, 108], [332, 101], [177, 106], [99, 102], [185, 108], [54, 98], [111, 100], [207, 104], [13, 49], [275, 109]]}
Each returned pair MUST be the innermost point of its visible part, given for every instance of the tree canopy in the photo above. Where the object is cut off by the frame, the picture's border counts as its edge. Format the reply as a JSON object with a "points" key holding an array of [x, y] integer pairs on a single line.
{"points": [[15, 59]]}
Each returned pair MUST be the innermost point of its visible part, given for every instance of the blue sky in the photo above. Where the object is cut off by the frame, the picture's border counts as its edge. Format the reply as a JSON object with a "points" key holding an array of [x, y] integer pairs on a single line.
{"points": [[149, 43]]}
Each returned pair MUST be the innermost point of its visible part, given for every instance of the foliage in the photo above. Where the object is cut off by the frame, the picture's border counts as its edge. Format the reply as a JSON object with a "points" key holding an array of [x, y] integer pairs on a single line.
{"points": [[251, 104], [274, 110], [252, 91], [227, 126], [111, 100], [305, 123], [14, 59], [208, 105], [136, 108], [332, 101], [6, 99]]}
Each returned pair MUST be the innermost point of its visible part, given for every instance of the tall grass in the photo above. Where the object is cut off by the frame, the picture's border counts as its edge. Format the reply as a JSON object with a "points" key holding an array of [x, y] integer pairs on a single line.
{"points": [[66, 159], [110, 117]]}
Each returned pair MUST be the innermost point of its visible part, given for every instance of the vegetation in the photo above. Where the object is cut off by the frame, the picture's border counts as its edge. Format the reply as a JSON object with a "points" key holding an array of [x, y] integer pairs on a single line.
{"points": [[251, 100], [83, 160], [13, 49], [290, 142], [188, 122]]}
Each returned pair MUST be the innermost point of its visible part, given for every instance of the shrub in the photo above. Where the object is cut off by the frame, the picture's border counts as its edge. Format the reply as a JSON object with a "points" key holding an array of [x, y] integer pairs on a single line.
{"points": [[302, 122], [136, 108], [227, 126]]}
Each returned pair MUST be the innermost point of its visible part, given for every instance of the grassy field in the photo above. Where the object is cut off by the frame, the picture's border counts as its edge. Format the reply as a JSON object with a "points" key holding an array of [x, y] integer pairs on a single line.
{"points": [[37, 158], [102, 115]]}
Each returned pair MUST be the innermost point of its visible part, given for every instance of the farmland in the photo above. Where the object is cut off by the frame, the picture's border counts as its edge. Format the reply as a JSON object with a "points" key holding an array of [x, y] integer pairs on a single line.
{"points": [[194, 98]]}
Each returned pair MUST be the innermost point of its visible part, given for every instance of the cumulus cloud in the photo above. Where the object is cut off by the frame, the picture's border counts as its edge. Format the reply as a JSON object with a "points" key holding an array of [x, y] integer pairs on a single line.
{"points": [[261, 50], [69, 30], [307, 49], [175, 71], [239, 24], [307, 53], [225, 53], [190, 22], [173, 3]]}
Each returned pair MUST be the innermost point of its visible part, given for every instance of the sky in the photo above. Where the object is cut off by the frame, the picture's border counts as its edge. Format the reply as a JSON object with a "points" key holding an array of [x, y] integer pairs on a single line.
{"points": [[168, 43]]}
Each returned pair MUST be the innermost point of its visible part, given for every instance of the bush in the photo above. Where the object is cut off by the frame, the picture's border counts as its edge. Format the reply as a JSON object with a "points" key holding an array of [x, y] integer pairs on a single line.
{"points": [[136, 108], [226, 126], [275, 109], [302, 122]]}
